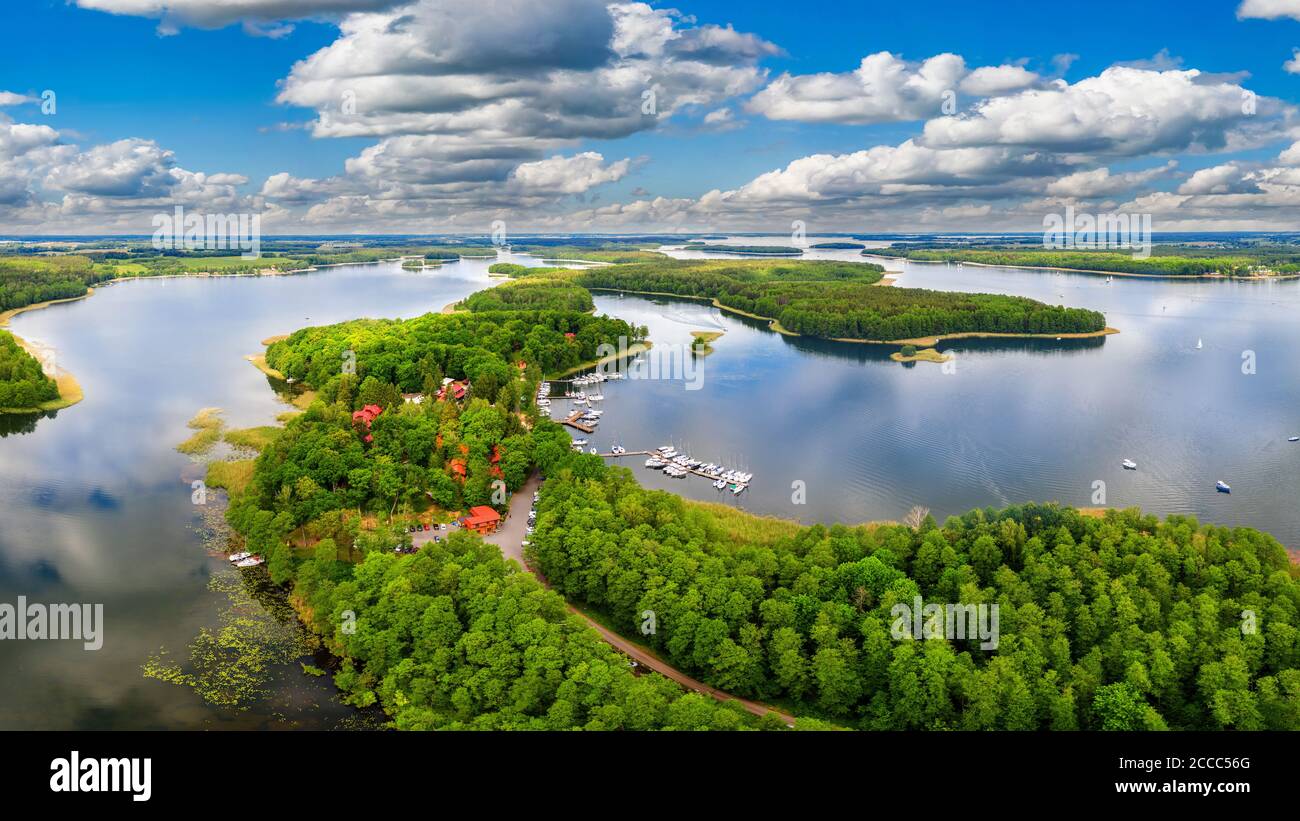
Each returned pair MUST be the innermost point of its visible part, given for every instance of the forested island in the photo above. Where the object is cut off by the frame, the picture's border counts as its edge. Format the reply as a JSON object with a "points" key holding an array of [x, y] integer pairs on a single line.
{"points": [[1165, 261], [839, 300], [750, 250]]}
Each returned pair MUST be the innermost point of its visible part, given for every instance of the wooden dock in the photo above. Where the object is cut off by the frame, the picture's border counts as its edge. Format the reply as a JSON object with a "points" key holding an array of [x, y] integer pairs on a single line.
{"points": [[573, 422]]}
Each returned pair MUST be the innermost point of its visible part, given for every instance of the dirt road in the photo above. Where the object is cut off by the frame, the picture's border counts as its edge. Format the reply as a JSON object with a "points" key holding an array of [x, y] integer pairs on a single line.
{"points": [[510, 539]]}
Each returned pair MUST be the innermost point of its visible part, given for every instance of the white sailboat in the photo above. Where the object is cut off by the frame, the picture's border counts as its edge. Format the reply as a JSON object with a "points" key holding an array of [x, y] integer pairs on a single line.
{"points": [[1199, 345]]}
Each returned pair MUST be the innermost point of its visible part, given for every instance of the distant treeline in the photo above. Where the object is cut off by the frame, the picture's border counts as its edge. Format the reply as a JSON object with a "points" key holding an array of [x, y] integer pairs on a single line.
{"points": [[756, 250], [1173, 262], [28, 280]]}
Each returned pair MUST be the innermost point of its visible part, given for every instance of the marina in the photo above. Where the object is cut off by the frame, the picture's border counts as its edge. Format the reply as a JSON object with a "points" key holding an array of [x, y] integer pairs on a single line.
{"points": [[584, 418], [678, 466]]}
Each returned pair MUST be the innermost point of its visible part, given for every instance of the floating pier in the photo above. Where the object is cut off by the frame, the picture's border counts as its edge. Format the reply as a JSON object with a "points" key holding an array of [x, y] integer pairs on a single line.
{"points": [[655, 454], [573, 422]]}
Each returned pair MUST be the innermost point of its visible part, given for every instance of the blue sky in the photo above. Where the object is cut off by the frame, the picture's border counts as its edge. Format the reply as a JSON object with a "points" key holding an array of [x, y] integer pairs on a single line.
{"points": [[202, 99]]}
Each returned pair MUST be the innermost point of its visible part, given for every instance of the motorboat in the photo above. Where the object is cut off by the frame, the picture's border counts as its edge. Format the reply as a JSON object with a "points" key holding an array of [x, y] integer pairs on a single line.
{"points": [[1129, 464], [1222, 486], [239, 557], [251, 561]]}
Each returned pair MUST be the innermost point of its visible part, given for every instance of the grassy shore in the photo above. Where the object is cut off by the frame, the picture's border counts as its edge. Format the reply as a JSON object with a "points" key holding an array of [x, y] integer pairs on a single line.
{"points": [[703, 345], [70, 392], [930, 341], [252, 438], [207, 426], [923, 355], [232, 477], [259, 362]]}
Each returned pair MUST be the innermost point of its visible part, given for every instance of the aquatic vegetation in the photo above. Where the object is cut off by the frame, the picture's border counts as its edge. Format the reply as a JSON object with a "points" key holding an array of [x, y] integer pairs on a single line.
{"points": [[207, 425]]}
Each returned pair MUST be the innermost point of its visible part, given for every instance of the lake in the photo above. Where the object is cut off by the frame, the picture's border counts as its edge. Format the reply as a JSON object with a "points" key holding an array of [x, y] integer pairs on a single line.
{"points": [[95, 503]]}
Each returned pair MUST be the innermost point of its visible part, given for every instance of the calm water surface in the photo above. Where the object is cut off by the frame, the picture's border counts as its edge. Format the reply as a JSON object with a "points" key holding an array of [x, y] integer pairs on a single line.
{"points": [[95, 502]]}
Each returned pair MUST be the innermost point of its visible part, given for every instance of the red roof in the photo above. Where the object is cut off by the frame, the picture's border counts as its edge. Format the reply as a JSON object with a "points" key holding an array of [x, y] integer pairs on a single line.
{"points": [[458, 467], [570, 335], [367, 415], [457, 390], [481, 515]]}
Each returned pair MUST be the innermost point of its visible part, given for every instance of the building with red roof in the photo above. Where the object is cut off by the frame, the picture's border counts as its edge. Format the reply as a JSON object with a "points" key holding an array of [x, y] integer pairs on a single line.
{"points": [[458, 390], [482, 520]]}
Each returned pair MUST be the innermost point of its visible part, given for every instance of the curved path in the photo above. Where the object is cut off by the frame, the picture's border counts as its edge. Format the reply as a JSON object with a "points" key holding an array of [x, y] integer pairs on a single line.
{"points": [[510, 539]]}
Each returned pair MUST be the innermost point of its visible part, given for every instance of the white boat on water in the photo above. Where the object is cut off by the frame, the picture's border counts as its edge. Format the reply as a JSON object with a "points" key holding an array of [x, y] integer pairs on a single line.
{"points": [[251, 561], [1222, 486], [654, 464], [1129, 464], [239, 557], [1293, 439], [736, 490], [1199, 345]]}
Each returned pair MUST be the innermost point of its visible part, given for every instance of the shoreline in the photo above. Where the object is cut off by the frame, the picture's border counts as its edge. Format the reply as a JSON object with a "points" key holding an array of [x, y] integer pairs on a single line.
{"points": [[1098, 272], [70, 390], [923, 355], [931, 341], [924, 341], [632, 350]]}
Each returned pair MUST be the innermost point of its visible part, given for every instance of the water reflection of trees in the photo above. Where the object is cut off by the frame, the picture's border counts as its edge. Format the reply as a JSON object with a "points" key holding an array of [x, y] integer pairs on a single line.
{"points": [[861, 352], [13, 424]]}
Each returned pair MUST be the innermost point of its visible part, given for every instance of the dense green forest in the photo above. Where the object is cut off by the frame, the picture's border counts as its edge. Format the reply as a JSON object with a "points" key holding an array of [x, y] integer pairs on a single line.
{"points": [[756, 250], [28, 280], [613, 253], [539, 293], [839, 300], [22, 382], [1164, 260], [455, 637], [406, 353], [452, 637], [1121, 622]]}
